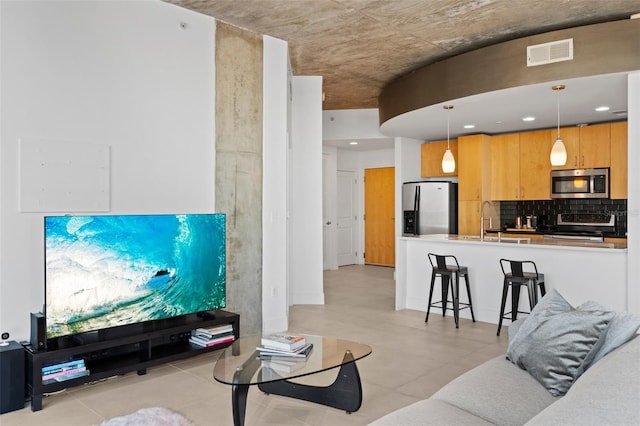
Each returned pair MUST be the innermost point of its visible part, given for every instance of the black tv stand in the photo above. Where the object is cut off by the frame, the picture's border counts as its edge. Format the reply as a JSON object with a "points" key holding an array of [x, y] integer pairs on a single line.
{"points": [[207, 315], [112, 352]]}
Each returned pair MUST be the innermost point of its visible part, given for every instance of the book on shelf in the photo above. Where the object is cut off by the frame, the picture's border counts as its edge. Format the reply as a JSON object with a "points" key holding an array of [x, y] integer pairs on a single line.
{"points": [[283, 341], [282, 365], [300, 353], [62, 366], [206, 343], [65, 375], [215, 329], [69, 376], [209, 333]]}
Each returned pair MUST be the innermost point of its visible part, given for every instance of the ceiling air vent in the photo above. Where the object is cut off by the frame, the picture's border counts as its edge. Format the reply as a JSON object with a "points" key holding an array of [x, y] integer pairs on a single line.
{"points": [[548, 53]]}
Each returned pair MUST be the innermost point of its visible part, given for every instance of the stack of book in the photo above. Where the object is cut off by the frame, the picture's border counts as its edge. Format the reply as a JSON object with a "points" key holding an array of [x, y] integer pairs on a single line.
{"points": [[284, 346], [64, 371], [283, 365], [207, 337]]}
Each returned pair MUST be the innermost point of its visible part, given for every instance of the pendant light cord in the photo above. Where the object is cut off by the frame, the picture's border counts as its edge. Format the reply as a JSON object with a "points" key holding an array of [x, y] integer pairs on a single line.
{"points": [[448, 108], [557, 89], [447, 129], [558, 101]]}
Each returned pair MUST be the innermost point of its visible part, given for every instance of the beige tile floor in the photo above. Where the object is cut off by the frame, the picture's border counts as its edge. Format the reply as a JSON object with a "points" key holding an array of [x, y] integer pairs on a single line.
{"points": [[410, 361]]}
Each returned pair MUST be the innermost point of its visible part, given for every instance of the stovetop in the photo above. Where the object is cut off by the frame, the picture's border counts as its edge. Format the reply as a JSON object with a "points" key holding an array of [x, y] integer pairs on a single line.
{"points": [[584, 225], [587, 219]]}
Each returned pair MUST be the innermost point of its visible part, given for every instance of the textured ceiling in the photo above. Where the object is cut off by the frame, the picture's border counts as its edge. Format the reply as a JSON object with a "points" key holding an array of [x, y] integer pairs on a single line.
{"points": [[358, 46]]}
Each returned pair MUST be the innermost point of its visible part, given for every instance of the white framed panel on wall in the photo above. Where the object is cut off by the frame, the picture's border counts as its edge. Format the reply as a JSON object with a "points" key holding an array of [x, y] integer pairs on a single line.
{"points": [[58, 176]]}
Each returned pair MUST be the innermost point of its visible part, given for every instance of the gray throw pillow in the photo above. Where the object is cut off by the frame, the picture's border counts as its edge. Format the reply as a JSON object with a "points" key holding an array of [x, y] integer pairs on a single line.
{"points": [[551, 304], [557, 343], [622, 328], [514, 327]]}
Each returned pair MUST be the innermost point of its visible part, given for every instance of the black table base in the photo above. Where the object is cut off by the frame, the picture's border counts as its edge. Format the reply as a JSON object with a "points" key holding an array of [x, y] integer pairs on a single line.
{"points": [[345, 393]]}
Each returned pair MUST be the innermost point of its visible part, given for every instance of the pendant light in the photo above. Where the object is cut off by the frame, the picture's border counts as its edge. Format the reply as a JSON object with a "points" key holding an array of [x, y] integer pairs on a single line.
{"points": [[448, 162], [558, 151]]}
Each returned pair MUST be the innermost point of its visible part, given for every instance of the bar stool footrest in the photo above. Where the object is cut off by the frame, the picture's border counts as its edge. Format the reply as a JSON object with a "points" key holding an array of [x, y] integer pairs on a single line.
{"points": [[507, 315], [449, 306]]}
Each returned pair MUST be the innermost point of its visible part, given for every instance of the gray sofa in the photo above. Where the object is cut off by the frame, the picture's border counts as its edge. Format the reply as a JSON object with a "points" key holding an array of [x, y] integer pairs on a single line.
{"points": [[564, 366], [500, 393]]}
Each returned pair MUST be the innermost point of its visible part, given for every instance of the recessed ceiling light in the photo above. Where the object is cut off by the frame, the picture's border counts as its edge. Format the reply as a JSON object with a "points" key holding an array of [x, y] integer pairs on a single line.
{"points": [[469, 126], [353, 143], [530, 118], [602, 108]]}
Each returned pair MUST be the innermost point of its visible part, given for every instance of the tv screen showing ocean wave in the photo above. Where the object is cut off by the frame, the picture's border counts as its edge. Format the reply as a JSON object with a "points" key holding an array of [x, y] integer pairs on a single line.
{"points": [[112, 270]]}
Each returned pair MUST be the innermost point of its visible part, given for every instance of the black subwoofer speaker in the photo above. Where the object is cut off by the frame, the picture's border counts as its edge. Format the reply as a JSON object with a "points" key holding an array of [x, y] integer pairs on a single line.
{"points": [[12, 372], [38, 338]]}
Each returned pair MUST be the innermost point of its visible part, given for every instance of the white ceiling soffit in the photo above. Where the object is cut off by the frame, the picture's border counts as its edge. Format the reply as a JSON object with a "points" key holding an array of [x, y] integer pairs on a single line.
{"points": [[363, 144]]}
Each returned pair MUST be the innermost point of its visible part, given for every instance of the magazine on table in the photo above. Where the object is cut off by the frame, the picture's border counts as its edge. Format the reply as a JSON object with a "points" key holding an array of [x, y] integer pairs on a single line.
{"points": [[283, 365], [301, 353], [283, 341]]}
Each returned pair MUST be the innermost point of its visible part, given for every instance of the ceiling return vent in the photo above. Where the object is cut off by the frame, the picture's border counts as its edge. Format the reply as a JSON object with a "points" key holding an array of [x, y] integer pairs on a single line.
{"points": [[548, 53]]}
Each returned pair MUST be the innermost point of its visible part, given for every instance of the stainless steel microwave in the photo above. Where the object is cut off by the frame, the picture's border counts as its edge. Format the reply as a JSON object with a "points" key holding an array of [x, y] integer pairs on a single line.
{"points": [[580, 183]]}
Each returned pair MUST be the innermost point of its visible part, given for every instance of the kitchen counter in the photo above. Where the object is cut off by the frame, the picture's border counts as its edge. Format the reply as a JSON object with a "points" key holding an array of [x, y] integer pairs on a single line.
{"points": [[525, 231], [579, 270], [521, 231], [495, 239]]}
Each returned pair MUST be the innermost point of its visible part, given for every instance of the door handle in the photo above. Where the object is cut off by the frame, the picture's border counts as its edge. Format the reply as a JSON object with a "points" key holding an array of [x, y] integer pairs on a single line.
{"points": [[328, 223]]}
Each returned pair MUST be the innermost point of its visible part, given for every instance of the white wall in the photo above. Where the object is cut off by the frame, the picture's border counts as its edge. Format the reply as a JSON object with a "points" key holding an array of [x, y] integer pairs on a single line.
{"points": [[633, 201], [122, 74], [305, 215], [407, 153], [274, 201], [346, 124]]}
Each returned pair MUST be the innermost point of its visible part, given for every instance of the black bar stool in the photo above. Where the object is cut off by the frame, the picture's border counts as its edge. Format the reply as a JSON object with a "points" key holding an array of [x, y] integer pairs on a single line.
{"points": [[516, 274], [449, 271]]}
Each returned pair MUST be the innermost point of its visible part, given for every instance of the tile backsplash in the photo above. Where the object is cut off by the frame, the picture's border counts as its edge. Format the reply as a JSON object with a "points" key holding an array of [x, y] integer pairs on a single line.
{"points": [[509, 210]]}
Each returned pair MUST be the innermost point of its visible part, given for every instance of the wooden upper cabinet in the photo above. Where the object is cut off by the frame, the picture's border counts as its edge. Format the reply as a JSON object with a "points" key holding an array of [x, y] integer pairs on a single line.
{"points": [[571, 138], [618, 174], [587, 147], [474, 171], [535, 165], [595, 146], [431, 158], [505, 167]]}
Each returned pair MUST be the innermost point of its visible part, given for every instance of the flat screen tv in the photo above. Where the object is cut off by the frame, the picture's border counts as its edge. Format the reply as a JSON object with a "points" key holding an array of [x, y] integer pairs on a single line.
{"points": [[114, 270]]}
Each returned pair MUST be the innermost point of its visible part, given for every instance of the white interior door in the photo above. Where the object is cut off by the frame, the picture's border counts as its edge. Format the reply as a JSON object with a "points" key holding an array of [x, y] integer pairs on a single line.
{"points": [[347, 254], [329, 213]]}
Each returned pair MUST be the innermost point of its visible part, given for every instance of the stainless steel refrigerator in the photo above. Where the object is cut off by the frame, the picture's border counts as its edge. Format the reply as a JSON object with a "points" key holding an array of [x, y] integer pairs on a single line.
{"points": [[430, 208]]}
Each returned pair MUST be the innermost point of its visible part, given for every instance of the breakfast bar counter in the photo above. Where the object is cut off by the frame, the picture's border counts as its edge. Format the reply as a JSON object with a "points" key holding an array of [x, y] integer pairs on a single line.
{"points": [[523, 240], [580, 270]]}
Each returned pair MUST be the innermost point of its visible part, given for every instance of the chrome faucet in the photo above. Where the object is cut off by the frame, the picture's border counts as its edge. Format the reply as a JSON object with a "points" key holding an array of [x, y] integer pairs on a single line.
{"points": [[482, 230]]}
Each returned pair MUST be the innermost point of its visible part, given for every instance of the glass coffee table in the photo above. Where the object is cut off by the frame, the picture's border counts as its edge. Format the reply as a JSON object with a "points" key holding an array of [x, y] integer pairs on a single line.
{"points": [[241, 367]]}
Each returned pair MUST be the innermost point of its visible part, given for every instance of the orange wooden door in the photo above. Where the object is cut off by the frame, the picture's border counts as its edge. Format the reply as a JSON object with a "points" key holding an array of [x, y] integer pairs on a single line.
{"points": [[379, 216]]}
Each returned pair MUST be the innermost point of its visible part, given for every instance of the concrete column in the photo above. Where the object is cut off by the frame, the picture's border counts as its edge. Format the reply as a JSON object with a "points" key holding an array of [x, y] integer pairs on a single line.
{"points": [[239, 167]]}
